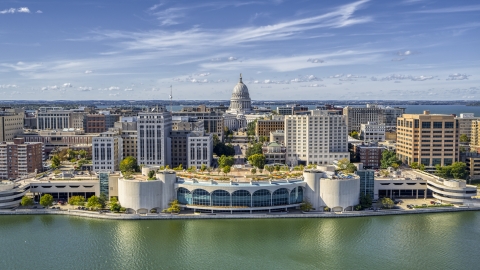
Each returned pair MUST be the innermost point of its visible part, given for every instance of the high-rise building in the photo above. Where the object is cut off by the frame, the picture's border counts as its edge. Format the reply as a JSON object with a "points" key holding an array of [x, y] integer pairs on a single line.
{"points": [[11, 123], [19, 158], [429, 139], [199, 149], [153, 131], [355, 116], [128, 131], [182, 126], [107, 152], [464, 122], [53, 118], [372, 131], [318, 138]]}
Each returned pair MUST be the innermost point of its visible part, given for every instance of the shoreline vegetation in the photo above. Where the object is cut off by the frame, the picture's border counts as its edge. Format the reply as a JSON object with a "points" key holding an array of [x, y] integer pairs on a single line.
{"points": [[162, 216]]}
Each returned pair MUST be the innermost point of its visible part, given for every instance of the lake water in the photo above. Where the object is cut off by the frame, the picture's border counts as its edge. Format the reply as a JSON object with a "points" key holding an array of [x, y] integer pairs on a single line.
{"points": [[428, 241]]}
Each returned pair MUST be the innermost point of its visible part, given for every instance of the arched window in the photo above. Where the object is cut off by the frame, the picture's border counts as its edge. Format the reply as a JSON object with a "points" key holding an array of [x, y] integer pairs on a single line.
{"points": [[220, 198], [280, 197], [261, 198], [200, 197], [184, 196], [296, 195], [241, 198]]}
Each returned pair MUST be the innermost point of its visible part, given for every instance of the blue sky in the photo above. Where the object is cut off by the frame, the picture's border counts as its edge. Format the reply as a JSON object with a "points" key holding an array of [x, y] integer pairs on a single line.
{"points": [[297, 49]]}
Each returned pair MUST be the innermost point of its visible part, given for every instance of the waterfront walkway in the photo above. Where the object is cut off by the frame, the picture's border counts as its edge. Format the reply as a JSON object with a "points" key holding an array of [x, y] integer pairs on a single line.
{"points": [[90, 214]]}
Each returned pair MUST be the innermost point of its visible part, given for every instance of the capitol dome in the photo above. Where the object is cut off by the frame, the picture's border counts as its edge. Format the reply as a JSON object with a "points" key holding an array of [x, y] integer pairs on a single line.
{"points": [[240, 101]]}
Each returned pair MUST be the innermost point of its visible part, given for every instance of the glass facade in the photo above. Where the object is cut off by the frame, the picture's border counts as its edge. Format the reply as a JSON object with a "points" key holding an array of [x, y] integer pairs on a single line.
{"points": [[280, 197], [367, 178], [104, 184], [261, 198], [220, 198], [240, 198], [201, 197], [184, 196]]}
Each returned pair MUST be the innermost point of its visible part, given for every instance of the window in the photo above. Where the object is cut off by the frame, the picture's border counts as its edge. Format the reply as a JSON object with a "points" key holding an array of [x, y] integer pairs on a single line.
{"points": [[426, 124], [448, 124], [437, 125]]}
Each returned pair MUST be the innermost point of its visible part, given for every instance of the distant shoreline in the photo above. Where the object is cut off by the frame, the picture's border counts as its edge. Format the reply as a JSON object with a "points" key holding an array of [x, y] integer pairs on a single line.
{"points": [[112, 216]]}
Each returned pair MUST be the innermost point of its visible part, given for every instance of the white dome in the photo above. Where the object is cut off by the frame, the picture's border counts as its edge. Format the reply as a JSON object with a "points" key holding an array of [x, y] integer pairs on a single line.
{"points": [[240, 101]]}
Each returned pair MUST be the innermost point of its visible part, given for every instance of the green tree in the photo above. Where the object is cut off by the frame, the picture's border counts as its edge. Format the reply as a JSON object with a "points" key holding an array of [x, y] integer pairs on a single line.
{"points": [[457, 170], [354, 134], [253, 150], [26, 201], [46, 200], [387, 203], [342, 164], [76, 200], [203, 168], [114, 205], [151, 175], [388, 159], [174, 207], [82, 153], [225, 161], [128, 164], [270, 169], [414, 165], [70, 154], [179, 167], [251, 128], [253, 170], [94, 203], [351, 168], [257, 160], [306, 206], [226, 170], [464, 138], [55, 162], [365, 200]]}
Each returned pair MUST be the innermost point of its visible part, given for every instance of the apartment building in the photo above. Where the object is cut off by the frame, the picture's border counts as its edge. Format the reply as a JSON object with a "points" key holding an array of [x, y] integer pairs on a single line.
{"points": [[199, 149], [19, 158], [372, 131], [264, 127], [153, 131], [11, 123], [429, 139], [370, 154], [128, 131], [355, 116], [182, 126], [107, 152], [317, 138]]}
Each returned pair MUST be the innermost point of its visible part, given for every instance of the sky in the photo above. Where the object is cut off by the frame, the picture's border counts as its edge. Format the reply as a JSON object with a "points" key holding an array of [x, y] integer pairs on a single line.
{"points": [[285, 49]]}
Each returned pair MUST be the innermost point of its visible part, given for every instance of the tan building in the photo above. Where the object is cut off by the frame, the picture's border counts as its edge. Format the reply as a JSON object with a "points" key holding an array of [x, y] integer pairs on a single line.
{"points": [[128, 132], [264, 127], [11, 124], [18, 158], [464, 122], [429, 139]]}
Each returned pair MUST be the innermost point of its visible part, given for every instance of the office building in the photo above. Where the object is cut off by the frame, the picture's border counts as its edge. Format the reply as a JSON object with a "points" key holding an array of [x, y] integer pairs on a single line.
{"points": [[318, 138], [19, 158], [355, 116], [11, 123], [274, 153], [107, 152], [153, 131], [372, 131], [292, 109], [53, 118], [370, 154], [264, 127], [199, 149], [127, 127], [464, 123], [429, 139]]}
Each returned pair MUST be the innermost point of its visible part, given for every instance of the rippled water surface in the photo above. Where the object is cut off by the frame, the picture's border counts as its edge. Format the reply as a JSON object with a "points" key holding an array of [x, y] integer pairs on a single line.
{"points": [[431, 241]]}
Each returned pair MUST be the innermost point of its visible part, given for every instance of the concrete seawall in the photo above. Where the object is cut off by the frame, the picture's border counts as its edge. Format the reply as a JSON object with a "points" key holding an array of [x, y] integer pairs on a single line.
{"points": [[113, 216]]}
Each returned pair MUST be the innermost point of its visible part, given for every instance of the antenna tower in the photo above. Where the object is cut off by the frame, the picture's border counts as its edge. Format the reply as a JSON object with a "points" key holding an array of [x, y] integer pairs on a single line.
{"points": [[171, 96]]}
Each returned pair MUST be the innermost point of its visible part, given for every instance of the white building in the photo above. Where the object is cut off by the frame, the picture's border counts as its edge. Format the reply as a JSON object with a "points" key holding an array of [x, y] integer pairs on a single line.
{"points": [[107, 152], [240, 105], [318, 138], [372, 131], [153, 130], [199, 149], [53, 118]]}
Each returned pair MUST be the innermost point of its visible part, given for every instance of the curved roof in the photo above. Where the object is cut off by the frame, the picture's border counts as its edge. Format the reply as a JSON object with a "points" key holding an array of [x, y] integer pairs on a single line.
{"points": [[240, 91]]}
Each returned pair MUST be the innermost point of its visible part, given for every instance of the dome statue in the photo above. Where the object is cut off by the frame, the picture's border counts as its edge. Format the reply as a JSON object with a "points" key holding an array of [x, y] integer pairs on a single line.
{"points": [[240, 101]]}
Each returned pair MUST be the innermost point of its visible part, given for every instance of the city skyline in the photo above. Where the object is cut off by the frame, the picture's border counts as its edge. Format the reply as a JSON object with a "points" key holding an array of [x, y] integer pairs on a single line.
{"points": [[409, 50]]}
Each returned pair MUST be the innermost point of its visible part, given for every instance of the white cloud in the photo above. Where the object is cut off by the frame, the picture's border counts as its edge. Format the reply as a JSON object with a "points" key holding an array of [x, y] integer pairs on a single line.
{"points": [[315, 60], [85, 89], [88, 71], [399, 77], [457, 77], [6, 86], [114, 95], [39, 12], [65, 85], [111, 88], [404, 53], [23, 10], [128, 89], [231, 58], [314, 85], [398, 59], [6, 11], [451, 9]]}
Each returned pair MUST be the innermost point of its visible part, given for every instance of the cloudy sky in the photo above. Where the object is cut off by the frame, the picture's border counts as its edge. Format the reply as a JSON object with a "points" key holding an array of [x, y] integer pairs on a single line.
{"points": [[285, 49]]}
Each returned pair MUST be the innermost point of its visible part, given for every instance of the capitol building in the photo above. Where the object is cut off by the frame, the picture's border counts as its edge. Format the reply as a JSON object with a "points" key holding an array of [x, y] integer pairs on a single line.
{"points": [[240, 111]]}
